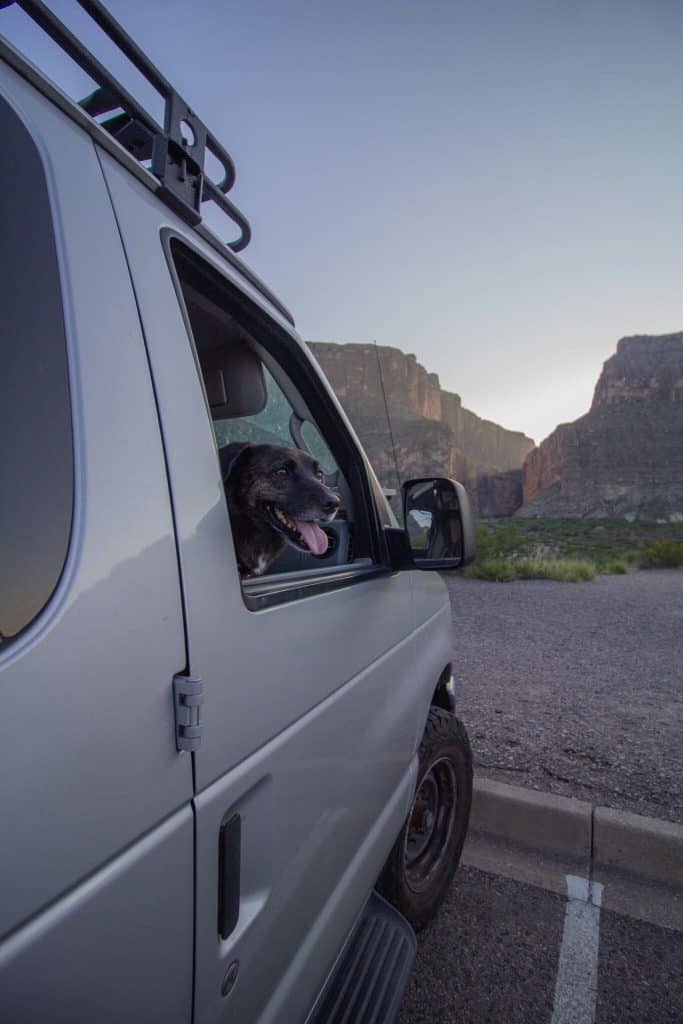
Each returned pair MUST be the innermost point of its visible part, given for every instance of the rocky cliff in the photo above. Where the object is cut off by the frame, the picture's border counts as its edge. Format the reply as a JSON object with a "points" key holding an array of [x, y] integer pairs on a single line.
{"points": [[433, 432], [625, 456]]}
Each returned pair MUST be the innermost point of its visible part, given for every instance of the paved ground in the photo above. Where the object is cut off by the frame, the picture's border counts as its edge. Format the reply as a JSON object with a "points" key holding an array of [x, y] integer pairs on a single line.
{"points": [[492, 955], [576, 688]]}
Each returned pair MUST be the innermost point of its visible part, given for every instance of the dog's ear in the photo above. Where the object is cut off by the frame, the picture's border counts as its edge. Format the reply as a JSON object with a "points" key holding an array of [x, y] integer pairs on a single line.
{"points": [[229, 455]]}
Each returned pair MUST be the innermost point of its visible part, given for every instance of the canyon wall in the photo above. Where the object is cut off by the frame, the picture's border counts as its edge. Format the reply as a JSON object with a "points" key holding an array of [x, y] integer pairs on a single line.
{"points": [[434, 434], [625, 456]]}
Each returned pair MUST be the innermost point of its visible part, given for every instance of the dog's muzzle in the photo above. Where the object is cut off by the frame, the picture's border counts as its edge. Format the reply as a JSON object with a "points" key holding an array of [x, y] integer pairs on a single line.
{"points": [[304, 534]]}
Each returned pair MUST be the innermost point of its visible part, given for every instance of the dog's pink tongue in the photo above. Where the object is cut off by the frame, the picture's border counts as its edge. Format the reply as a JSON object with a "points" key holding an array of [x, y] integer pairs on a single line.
{"points": [[314, 538]]}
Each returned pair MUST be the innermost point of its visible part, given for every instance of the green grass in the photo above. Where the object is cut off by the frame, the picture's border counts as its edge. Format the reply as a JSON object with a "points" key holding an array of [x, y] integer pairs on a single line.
{"points": [[662, 554], [619, 567], [503, 570], [572, 549]]}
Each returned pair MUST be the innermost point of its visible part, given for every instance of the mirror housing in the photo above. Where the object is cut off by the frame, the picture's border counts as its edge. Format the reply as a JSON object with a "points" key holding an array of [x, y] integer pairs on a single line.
{"points": [[439, 525]]}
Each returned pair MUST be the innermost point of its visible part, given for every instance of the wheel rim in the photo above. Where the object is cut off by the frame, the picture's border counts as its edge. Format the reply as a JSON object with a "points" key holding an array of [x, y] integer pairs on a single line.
{"points": [[430, 825]]}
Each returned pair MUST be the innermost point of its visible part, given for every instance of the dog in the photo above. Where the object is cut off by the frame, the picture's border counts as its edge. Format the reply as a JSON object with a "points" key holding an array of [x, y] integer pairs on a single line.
{"points": [[276, 496]]}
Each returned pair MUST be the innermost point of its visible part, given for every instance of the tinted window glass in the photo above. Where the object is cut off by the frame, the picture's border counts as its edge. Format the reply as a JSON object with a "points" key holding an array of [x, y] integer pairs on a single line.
{"points": [[318, 446], [36, 457]]}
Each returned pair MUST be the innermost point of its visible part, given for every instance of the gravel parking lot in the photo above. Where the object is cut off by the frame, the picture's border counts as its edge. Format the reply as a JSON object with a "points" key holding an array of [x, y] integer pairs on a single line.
{"points": [[492, 954], [576, 688]]}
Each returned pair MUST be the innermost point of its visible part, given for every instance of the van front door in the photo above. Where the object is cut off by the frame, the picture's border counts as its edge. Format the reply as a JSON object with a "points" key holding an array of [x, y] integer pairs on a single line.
{"points": [[306, 764]]}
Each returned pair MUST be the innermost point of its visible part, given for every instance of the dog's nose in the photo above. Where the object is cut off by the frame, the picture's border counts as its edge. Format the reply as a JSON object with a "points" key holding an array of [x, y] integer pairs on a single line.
{"points": [[332, 504]]}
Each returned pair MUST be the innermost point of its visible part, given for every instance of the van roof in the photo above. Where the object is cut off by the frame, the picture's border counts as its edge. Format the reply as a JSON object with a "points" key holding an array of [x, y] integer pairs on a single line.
{"points": [[168, 159]]}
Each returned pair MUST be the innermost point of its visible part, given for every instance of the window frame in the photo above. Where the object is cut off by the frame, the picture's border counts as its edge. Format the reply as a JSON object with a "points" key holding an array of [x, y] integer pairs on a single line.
{"points": [[286, 350]]}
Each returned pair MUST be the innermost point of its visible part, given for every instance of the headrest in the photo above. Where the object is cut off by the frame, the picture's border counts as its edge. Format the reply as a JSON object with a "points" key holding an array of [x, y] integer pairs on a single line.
{"points": [[234, 381]]}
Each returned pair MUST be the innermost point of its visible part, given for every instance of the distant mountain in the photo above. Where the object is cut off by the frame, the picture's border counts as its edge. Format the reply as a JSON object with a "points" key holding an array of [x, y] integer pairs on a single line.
{"points": [[433, 432], [625, 456]]}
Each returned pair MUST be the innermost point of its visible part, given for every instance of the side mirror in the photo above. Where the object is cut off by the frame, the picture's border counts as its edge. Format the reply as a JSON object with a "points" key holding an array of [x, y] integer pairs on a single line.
{"points": [[439, 523]]}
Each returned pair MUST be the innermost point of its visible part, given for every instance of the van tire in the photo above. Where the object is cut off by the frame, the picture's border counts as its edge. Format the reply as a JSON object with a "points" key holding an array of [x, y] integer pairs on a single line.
{"points": [[424, 858]]}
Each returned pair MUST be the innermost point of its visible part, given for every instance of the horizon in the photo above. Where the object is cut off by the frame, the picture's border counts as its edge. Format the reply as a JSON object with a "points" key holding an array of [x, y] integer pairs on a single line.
{"points": [[494, 190]]}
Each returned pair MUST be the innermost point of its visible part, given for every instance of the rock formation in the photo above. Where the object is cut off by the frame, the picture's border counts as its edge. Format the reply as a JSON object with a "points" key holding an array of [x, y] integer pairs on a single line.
{"points": [[625, 456], [433, 433], [499, 494]]}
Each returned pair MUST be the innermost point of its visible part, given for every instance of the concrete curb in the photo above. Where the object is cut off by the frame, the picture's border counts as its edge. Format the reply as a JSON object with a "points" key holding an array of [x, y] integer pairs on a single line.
{"points": [[575, 830], [647, 847], [542, 821]]}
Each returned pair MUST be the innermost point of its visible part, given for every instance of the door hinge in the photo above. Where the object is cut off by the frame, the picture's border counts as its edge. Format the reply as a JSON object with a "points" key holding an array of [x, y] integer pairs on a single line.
{"points": [[188, 697]]}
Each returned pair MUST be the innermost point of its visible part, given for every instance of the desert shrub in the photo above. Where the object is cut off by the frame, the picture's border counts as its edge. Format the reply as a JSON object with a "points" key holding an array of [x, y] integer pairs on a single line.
{"points": [[662, 554], [612, 545], [495, 569], [504, 570], [484, 542], [500, 539], [510, 540], [618, 567], [566, 570]]}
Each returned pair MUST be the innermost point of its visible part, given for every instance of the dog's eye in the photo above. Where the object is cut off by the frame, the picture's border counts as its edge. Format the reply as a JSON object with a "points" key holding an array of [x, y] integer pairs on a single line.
{"points": [[282, 471], [321, 476]]}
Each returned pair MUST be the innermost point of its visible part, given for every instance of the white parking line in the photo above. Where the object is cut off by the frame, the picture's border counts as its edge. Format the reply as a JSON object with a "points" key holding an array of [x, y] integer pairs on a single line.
{"points": [[576, 987]]}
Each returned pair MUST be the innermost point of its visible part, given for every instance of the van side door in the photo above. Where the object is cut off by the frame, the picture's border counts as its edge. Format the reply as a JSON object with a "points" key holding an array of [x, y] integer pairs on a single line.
{"points": [[96, 852]]}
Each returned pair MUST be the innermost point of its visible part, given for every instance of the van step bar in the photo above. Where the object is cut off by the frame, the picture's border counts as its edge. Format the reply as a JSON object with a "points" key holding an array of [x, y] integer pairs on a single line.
{"points": [[368, 983]]}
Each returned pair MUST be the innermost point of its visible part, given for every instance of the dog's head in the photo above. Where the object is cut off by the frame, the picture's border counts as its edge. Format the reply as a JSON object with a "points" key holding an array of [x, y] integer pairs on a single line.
{"points": [[281, 492]]}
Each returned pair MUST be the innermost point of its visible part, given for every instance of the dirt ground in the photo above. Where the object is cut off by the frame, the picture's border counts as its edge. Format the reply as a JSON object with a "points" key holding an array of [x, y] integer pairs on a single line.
{"points": [[576, 688]]}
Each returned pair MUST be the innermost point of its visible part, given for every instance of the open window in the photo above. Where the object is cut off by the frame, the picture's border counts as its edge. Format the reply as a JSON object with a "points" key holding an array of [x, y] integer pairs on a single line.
{"points": [[271, 418]]}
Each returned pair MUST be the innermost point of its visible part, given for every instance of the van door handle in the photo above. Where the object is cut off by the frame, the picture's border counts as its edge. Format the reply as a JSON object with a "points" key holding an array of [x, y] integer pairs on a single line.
{"points": [[229, 860]]}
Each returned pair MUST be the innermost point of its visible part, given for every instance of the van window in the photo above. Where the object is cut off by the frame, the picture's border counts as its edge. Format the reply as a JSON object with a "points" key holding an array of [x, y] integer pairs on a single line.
{"points": [[302, 506], [36, 455]]}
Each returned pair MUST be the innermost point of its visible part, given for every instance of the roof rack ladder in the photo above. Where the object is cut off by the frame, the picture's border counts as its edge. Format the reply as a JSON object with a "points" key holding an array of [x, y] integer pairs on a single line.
{"points": [[177, 150]]}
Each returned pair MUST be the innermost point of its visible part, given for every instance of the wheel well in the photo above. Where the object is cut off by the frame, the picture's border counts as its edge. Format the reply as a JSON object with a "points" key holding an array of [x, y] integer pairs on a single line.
{"points": [[443, 696]]}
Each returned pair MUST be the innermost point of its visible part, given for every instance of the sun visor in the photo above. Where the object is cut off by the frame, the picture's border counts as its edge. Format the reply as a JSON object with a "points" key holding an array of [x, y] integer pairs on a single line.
{"points": [[234, 381]]}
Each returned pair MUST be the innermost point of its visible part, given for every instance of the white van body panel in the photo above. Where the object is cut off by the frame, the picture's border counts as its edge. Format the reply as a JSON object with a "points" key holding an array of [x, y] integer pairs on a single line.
{"points": [[89, 762], [138, 968]]}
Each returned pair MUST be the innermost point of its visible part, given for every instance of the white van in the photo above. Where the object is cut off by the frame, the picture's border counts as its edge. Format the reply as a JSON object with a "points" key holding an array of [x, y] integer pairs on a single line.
{"points": [[203, 776]]}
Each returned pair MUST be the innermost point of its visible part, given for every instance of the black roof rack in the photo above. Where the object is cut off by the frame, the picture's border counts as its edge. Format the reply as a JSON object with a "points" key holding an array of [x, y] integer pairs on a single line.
{"points": [[177, 150]]}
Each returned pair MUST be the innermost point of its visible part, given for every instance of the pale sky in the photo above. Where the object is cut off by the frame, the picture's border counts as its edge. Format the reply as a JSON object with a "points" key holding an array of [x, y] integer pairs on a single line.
{"points": [[494, 185]]}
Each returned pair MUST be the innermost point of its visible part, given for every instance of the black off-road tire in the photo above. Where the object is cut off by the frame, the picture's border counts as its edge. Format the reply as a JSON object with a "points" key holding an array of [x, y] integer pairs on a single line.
{"points": [[425, 856]]}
